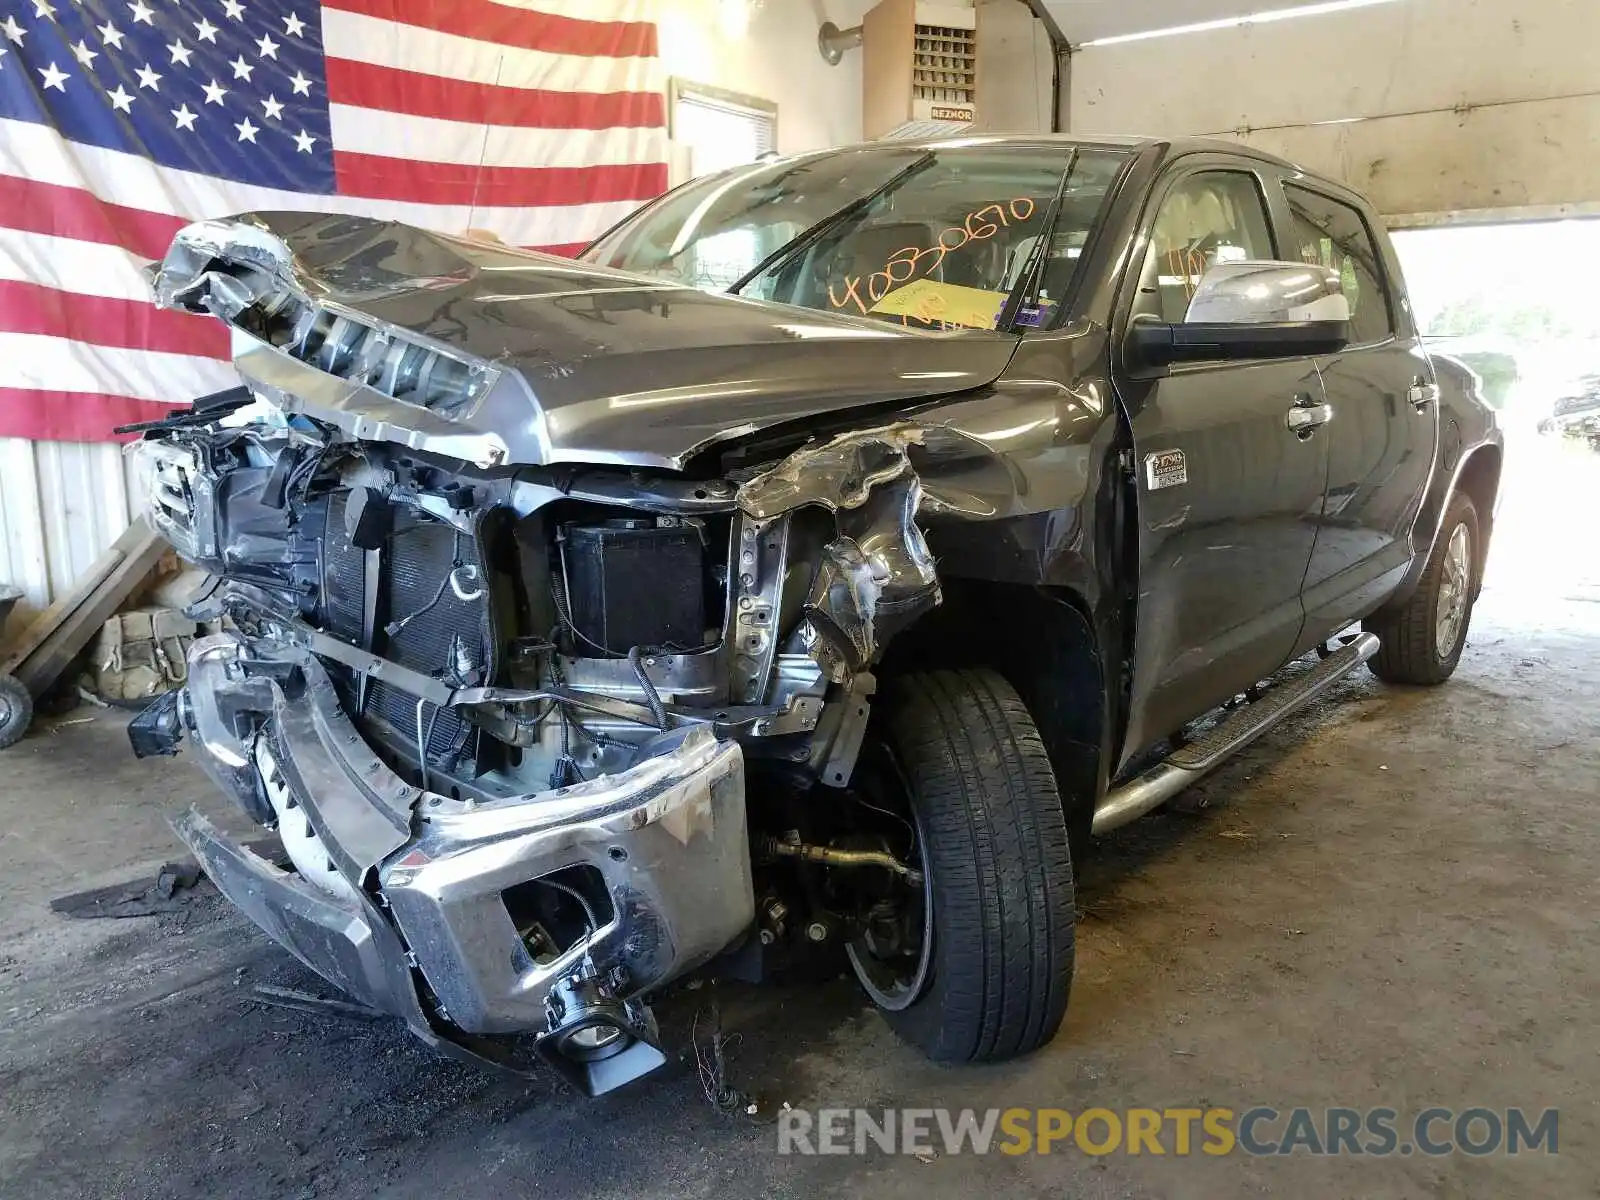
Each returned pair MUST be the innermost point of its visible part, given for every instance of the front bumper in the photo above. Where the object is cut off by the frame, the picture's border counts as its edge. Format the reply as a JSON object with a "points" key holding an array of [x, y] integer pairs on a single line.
{"points": [[398, 894]]}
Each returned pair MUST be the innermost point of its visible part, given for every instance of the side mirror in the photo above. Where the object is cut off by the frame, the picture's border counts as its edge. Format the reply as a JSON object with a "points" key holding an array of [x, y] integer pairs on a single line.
{"points": [[1245, 310]]}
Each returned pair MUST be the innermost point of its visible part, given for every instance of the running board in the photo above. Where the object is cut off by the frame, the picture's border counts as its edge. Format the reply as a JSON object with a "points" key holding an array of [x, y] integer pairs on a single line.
{"points": [[1230, 735]]}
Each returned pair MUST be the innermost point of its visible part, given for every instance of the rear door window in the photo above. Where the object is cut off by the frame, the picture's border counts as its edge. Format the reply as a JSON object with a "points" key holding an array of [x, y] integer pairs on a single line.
{"points": [[1333, 234]]}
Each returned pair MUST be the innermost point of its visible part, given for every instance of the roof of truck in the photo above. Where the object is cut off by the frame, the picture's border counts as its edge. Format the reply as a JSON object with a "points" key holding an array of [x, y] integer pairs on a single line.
{"points": [[1179, 145]]}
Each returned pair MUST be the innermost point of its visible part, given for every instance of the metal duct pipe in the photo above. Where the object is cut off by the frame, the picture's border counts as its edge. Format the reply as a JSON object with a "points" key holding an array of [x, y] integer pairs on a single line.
{"points": [[832, 41]]}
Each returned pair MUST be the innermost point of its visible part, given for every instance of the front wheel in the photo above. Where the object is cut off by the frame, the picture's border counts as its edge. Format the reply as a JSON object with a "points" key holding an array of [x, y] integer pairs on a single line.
{"points": [[990, 974], [1422, 643]]}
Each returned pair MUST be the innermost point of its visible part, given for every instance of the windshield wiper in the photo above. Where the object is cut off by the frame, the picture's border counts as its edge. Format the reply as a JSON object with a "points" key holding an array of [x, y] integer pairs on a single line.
{"points": [[1028, 283], [808, 237]]}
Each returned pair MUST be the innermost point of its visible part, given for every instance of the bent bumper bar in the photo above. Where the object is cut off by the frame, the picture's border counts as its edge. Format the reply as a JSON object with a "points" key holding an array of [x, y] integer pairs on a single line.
{"points": [[398, 887], [668, 837], [345, 941]]}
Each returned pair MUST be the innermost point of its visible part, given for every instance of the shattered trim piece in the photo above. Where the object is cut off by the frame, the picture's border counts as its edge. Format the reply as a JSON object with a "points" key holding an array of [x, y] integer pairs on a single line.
{"points": [[877, 575]]}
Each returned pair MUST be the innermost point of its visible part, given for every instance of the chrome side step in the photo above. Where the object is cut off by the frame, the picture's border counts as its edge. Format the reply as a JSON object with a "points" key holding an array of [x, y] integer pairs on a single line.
{"points": [[1184, 766]]}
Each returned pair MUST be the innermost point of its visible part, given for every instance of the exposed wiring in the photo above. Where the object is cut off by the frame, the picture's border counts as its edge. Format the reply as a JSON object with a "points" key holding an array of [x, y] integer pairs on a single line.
{"points": [[299, 481], [712, 1062], [588, 910], [529, 648], [423, 737], [451, 758], [537, 719], [566, 771], [703, 648], [394, 627], [595, 738], [652, 697], [910, 828]]}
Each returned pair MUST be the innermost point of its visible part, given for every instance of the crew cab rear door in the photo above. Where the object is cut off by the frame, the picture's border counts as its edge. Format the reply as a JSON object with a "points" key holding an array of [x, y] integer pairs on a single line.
{"points": [[1384, 403], [1229, 494]]}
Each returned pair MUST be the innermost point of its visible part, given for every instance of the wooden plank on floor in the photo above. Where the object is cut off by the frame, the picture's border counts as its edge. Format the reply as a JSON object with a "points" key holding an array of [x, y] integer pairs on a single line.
{"points": [[140, 549], [52, 618]]}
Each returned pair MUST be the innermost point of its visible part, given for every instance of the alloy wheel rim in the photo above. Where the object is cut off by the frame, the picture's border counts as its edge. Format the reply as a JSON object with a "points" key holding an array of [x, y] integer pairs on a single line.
{"points": [[1455, 588], [888, 987], [884, 980]]}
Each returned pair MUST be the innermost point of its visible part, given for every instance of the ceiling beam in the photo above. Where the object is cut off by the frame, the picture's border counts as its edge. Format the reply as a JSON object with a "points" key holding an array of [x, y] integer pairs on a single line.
{"points": [[1051, 26]]}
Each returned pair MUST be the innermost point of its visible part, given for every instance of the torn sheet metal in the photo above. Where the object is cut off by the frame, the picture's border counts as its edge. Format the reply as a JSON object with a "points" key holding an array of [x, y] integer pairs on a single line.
{"points": [[839, 474], [960, 475], [878, 575], [189, 277], [875, 579]]}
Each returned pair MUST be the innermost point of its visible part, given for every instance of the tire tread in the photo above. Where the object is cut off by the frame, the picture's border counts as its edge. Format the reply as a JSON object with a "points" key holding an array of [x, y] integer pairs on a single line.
{"points": [[1002, 872]]}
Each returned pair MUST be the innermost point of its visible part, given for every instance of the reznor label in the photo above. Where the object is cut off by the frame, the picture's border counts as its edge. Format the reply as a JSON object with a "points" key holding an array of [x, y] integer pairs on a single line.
{"points": [[1164, 469]]}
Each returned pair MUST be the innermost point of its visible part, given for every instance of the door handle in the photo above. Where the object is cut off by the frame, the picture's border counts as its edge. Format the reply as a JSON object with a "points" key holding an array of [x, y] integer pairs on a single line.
{"points": [[1422, 394], [1306, 419]]}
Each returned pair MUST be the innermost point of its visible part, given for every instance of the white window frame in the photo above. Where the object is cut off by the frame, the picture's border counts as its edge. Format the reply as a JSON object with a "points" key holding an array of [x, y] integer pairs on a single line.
{"points": [[712, 97]]}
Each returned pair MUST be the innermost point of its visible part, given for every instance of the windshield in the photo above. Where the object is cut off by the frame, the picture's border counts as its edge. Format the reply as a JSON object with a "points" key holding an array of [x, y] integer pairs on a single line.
{"points": [[939, 246]]}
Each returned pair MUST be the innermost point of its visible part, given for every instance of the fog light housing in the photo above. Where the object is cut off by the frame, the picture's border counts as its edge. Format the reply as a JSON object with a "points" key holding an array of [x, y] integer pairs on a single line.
{"points": [[595, 1040]]}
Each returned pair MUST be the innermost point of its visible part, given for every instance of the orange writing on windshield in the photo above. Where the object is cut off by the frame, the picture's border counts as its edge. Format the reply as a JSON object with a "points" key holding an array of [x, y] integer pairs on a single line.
{"points": [[915, 262]]}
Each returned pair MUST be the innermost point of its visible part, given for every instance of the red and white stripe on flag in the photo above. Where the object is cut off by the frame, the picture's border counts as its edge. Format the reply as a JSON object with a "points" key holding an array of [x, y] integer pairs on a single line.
{"points": [[540, 120]]}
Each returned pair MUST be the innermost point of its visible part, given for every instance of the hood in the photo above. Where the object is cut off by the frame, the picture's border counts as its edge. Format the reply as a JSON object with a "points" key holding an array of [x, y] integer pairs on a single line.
{"points": [[500, 356]]}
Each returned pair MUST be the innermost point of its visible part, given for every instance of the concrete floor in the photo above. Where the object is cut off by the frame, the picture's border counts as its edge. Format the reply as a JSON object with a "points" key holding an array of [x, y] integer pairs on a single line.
{"points": [[1389, 901]]}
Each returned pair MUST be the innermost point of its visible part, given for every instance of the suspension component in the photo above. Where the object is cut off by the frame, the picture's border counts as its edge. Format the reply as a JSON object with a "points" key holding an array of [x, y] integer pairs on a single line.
{"points": [[832, 856]]}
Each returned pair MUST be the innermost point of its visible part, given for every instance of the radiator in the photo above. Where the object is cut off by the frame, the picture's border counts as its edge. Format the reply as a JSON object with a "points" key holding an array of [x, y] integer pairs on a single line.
{"points": [[413, 587]]}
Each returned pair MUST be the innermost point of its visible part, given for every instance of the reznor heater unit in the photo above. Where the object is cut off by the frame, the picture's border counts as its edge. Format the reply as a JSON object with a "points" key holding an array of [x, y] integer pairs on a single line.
{"points": [[920, 70]]}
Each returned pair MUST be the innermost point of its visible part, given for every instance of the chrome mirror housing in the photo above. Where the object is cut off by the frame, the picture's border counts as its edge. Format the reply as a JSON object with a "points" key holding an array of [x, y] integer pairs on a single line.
{"points": [[1267, 293]]}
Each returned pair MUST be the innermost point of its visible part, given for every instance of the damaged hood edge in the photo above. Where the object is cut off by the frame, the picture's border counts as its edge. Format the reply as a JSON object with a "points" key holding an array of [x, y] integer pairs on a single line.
{"points": [[498, 356]]}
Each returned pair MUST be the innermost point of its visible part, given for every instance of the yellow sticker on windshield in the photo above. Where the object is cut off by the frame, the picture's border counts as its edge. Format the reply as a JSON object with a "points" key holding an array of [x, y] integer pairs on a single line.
{"points": [[949, 303]]}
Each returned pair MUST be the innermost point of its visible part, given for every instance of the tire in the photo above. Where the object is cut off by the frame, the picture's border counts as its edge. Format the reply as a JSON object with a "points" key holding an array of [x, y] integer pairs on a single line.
{"points": [[1409, 650], [16, 710], [995, 848]]}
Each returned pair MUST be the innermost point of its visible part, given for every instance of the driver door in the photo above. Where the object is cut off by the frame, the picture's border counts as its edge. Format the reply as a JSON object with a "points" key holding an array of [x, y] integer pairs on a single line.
{"points": [[1229, 496]]}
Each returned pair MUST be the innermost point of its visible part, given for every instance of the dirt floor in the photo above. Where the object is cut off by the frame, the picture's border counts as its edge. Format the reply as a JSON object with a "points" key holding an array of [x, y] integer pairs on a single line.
{"points": [[1389, 901]]}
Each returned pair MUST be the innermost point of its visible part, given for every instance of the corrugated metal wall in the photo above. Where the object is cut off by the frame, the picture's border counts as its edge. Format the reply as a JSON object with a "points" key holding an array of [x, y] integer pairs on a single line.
{"points": [[61, 505]]}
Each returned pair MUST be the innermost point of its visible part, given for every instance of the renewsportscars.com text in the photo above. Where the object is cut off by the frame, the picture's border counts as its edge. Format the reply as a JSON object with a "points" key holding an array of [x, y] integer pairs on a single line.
{"points": [[1261, 1130]]}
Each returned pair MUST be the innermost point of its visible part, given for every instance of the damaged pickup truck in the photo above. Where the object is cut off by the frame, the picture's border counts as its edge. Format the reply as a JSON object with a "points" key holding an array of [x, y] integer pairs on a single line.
{"points": [[797, 578]]}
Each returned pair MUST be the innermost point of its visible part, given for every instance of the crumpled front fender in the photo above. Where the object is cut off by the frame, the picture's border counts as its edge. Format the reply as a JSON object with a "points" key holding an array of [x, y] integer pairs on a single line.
{"points": [[877, 575]]}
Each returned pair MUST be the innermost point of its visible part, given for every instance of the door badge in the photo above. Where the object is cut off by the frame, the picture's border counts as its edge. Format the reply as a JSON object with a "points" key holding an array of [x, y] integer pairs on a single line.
{"points": [[1164, 469]]}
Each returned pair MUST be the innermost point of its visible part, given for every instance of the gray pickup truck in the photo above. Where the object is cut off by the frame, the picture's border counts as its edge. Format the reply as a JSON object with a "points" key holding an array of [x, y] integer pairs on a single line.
{"points": [[799, 577]]}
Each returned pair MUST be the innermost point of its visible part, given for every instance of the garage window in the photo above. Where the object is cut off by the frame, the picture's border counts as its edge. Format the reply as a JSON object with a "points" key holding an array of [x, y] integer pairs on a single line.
{"points": [[1334, 234], [716, 129]]}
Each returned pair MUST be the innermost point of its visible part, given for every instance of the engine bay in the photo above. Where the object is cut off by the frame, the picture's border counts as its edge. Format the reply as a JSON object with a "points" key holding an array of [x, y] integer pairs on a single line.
{"points": [[499, 634]]}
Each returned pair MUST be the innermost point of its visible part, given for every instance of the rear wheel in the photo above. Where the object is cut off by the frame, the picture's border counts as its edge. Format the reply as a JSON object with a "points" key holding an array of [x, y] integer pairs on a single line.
{"points": [[1423, 642], [980, 965]]}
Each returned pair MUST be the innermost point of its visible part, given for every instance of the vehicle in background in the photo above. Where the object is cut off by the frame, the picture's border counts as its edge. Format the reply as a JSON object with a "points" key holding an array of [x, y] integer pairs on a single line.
{"points": [[1577, 414]]}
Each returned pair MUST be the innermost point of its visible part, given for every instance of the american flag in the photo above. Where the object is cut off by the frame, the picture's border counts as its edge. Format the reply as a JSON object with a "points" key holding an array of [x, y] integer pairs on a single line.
{"points": [[542, 121]]}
